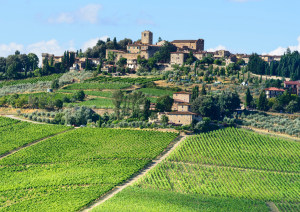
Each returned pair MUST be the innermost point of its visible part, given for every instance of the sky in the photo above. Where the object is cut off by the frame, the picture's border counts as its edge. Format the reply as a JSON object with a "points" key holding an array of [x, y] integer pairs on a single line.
{"points": [[240, 26]]}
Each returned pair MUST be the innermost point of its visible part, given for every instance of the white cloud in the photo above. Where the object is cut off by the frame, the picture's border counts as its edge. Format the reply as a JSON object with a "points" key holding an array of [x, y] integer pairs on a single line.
{"points": [[89, 14], [10, 49], [92, 42], [281, 50], [220, 47]]}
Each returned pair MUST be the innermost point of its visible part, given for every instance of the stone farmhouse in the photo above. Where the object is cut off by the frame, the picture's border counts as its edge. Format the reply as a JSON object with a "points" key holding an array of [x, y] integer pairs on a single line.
{"points": [[273, 92], [293, 85], [181, 110]]}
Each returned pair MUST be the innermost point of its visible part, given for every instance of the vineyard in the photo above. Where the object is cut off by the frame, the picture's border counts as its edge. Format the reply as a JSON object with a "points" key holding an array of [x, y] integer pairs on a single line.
{"points": [[31, 80], [228, 163], [83, 86], [156, 92], [151, 200], [70, 170], [15, 134], [92, 93], [95, 102], [139, 80]]}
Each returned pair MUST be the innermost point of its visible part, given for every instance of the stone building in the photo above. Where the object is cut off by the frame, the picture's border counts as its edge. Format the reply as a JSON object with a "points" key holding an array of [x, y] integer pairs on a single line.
{"points": [[194, 45], [179, 117], [147, 37], [294, 86], [270, 58], [183, 96], [178, 57], [273, 92], [146, 49]]}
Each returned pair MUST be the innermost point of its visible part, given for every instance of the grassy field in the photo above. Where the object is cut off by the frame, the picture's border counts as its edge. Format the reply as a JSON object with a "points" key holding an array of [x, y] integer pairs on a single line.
{"points": [[156, 92], [83, 86], [98, 102], [230, 164], [92, 93], [68, 171], [14, 134]]}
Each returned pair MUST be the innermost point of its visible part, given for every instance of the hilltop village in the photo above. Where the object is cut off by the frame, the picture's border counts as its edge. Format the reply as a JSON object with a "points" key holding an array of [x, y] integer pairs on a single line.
{"points": [[150, 126]]}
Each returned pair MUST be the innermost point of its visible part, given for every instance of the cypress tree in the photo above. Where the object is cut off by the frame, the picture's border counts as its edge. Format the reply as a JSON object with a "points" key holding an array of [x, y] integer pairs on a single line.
{"points": [[195, 92], [203, 91], [248, 98], [262, 101], [100, 121]]}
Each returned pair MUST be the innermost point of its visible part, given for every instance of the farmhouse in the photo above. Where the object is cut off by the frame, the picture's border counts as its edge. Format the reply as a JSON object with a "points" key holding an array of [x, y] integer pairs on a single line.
{"points": [[293, 85], [273, 92]]}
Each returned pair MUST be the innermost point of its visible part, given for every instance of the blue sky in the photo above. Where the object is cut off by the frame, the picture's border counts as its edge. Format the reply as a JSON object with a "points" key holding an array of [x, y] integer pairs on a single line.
{"points": [[241, 26]]}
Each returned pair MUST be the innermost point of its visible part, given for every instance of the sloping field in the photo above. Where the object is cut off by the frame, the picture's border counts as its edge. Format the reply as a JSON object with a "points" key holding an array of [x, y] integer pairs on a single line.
{"points": [[242, 168], [14, 134], [70, 170]]}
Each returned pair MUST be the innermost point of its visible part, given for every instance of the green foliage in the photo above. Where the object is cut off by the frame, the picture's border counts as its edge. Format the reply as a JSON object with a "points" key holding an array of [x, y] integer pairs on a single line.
{"points": [[135, 198], [203, 91], [292, 107], [82, 86], [156, 92], [248, 98], [68, 171], [80, 95], [206, 106], [195, 92], [14, 134], [31, 80], [140, 80], [230, 163], [262, 101], [164, 103]]}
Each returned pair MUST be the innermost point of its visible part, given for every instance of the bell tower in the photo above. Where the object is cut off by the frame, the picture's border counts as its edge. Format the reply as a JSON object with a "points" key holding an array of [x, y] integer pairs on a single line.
{"points": [[147, 37]]}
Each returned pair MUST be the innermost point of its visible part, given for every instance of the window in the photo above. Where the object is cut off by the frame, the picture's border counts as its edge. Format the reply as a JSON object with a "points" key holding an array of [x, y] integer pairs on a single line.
{"points": [[133, 47], [137, 47], [145, 35], [128, 47], [179, 121]]}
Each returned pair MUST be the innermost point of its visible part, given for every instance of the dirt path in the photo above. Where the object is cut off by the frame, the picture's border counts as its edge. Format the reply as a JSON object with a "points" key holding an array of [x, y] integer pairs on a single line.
{"points": [[133, 179], [18, 118], [272, 207], [29, 144]]}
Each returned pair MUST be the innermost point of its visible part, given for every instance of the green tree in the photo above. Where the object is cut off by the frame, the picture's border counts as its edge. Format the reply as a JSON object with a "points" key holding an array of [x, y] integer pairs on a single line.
{"points": [[122, 61], [117, 99], [100, 122], [146, 109], [55, 84], [262, 101], [164, 119], [115, 43], [164, 103], [80, 95], [248, 98], [58, 103], [206, 106], [292, 107], [203, 91], [195, 92], [3, 100]]}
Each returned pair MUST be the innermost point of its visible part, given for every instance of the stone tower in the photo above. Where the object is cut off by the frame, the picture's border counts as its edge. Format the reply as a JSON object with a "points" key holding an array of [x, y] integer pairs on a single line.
{"points": [[147, 37]]}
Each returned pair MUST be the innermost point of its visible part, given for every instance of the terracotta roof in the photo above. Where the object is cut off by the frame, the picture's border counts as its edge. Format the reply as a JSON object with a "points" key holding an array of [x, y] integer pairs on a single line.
{"points": [[181, 113], [178, 52], [273, 89], [186, 41], [184, 103], [182, 92], [292, 83]]}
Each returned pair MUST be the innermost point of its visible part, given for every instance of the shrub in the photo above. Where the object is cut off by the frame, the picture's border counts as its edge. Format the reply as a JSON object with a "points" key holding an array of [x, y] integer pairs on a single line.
{"points": [[39, 119]]}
